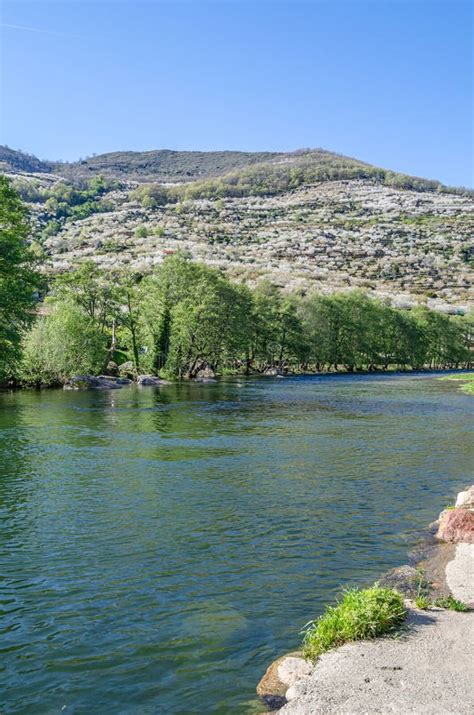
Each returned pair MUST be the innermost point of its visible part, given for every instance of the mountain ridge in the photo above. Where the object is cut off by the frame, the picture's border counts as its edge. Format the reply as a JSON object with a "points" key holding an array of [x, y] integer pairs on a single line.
{"points": [[176, 166]]}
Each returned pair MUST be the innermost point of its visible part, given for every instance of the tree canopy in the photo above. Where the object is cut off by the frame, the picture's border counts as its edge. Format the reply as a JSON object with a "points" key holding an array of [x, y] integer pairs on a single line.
{"points": [[19, 278]]}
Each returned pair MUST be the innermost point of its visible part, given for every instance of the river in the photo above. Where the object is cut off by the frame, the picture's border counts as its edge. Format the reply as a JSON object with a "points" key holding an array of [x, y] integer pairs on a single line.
{"points": [[160, 547]]}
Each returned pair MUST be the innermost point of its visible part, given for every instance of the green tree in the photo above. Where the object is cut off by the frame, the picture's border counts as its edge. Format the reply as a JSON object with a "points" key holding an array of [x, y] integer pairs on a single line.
{"points": [[90, 289], [161, 292], [19, 278], [65, 343], [324, 326], [445, 344], [208, 325], [277, 331], [127, 297]]}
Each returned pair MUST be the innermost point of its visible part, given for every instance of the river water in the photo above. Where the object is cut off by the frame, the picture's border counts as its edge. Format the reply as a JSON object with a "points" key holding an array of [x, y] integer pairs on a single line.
{"points": [[159, 547]]}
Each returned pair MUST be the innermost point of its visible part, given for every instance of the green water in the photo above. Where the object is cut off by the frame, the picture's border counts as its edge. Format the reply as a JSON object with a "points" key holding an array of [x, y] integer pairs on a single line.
{"points": [[159, 547]]}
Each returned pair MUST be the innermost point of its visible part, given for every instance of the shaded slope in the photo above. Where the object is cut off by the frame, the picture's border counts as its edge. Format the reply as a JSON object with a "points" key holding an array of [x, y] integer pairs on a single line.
{"points": [[13, 160]]}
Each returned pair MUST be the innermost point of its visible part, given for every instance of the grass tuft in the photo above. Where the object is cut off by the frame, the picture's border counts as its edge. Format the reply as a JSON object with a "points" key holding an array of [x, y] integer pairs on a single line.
{"points": [[451, 603], [422, 602], [361, 614]]}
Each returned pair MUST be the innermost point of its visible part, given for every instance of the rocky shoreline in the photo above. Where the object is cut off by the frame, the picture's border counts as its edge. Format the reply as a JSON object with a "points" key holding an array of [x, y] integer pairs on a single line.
{"points": [[119, 378], [109, 382], [442, 567]]}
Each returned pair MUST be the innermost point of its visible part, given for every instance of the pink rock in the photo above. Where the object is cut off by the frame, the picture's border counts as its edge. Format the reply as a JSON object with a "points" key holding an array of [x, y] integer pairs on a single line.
{"points": [[456, 525]]}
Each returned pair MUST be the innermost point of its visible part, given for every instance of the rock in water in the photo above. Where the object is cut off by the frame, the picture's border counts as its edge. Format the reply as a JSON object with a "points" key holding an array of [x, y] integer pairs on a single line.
{"points": [[205, 374], [146, 380], [91, 382], [273, 372], [270, 688], [281, 674], [456, 526]]}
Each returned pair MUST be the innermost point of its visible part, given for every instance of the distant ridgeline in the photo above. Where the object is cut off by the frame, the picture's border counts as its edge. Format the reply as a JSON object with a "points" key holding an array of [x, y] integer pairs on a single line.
{"points": [[224, 173]]}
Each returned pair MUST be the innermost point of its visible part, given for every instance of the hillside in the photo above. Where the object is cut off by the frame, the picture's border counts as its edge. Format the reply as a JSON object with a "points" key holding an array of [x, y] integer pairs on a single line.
{"points": [[309, 220], [12, 161], [163, 165]]}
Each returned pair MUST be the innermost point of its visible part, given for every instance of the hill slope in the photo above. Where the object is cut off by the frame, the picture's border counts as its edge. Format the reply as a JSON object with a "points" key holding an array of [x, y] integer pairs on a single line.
{"points": [[161, 165], [310, 220], [164, 165], [13, 160]]}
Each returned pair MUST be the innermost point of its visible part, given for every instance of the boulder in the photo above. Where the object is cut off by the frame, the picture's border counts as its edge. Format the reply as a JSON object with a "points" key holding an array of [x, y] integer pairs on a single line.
{"points": [[272, 372], [146, 380], [293, 668], [205, 374], [465, 500], [276, 371], [271, 688], [112, 368], [292, 692], [127, 369], [91, 382], [120, 381], [405, 579], [456, 525]]}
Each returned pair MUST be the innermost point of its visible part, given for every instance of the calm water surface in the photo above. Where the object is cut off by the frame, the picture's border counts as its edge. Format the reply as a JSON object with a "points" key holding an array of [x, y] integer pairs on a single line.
{"points": [[160, 547]]}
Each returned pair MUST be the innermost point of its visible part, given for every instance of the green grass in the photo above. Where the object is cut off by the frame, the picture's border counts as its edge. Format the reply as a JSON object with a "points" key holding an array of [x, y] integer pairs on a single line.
{"points": [[422, 602], [463, 377], [361, 614], [466, 378], [451, 603]]}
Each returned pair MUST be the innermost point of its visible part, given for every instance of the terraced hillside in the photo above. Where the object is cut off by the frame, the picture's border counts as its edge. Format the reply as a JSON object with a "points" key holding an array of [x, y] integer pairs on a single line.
{"points": [[308, 221]]}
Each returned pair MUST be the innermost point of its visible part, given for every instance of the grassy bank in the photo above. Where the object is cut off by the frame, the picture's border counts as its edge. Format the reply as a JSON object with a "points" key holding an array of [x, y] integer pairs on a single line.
{"points": [[361, 614], [466, 380]]}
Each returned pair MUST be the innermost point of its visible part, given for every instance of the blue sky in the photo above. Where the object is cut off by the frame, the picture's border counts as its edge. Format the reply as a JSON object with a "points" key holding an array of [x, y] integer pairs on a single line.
{"points": [[386, 81]]}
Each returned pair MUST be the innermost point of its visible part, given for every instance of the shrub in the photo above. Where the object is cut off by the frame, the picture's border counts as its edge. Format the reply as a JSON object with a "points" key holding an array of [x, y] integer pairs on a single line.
{"points": [[51, 229], [151, 195], [361, 614], [141, 232]]}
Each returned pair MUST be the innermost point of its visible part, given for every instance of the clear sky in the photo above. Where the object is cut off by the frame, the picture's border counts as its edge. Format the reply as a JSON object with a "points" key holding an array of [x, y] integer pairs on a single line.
{"points": [[386, 81]]}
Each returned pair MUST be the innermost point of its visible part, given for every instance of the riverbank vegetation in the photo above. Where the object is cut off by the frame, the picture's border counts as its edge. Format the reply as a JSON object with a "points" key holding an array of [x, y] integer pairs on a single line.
{"points": [[186, 318], [360, 615], [448, 602], [466, 380]]}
